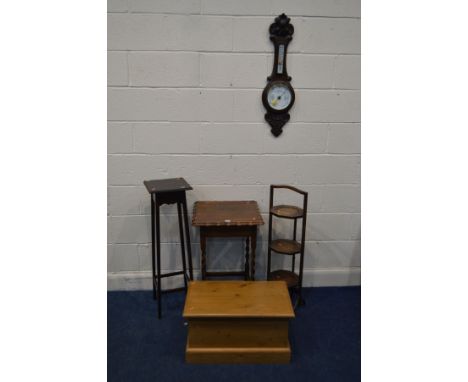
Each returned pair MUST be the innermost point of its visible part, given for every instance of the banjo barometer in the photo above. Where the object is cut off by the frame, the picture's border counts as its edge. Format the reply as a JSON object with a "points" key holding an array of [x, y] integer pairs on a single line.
{"points": [[278, 95]]}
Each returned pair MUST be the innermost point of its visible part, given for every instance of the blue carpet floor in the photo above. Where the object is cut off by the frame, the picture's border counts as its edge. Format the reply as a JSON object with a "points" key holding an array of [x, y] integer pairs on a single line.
{"points": [[324, 336]]}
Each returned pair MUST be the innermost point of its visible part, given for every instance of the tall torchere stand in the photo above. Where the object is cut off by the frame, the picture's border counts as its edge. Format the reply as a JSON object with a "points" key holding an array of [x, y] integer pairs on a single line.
{"points": [[168, 191]]}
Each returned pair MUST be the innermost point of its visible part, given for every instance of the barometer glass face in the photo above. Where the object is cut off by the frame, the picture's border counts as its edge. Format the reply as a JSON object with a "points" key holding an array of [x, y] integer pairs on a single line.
{"points": [[279, 97], [280, 59]]}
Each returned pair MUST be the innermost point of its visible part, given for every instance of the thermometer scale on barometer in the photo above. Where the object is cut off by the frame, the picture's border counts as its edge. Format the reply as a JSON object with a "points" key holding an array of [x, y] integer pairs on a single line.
{"points": [[278, 95]]}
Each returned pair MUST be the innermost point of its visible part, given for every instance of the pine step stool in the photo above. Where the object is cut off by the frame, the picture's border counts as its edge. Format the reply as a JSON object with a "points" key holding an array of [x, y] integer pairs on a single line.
{"points": [[238, 322]]}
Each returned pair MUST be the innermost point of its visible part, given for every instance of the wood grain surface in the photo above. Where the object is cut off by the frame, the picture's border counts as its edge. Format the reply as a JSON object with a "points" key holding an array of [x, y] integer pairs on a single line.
{"points": [[226, 213], [286, 211], [247, 332], [235, 299]]}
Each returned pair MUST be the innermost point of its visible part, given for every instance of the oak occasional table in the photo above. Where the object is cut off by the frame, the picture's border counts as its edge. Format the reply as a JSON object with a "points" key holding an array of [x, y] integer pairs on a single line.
{"points": [[228, 219], [238, 322]]}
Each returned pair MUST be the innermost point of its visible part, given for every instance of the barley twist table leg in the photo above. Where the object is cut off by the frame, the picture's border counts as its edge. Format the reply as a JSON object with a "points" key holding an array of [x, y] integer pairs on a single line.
{"points": [[203, 254], [253, 243], [247, 259]]}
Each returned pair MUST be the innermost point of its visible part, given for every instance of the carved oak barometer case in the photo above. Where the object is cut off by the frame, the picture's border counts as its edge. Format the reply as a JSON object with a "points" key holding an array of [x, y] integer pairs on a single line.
{"points": [[278, 95]]}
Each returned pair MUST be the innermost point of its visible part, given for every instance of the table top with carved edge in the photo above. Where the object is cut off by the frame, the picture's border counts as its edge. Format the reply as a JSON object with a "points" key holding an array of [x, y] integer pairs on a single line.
{"points": [[226, 213]]}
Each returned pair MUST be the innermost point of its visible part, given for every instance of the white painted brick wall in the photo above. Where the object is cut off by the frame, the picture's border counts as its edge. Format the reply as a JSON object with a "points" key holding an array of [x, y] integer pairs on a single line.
{"points": [[347, 72], [161, 69], [119, 137], [330, 35], [239, 7], [185, 80], [165, 6], [344, 138], [117, 5], [220, 70], [117, 72]]}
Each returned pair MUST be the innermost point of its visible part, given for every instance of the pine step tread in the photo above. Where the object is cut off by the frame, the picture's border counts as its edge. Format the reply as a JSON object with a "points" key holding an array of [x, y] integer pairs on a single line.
{"points": [[291, 278], [287, 211], [285, 246], [237, 299]]}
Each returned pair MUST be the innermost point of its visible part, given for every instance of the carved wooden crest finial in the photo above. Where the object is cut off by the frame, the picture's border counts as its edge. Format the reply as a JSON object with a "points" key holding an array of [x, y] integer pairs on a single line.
{"points": [[281, 27]]}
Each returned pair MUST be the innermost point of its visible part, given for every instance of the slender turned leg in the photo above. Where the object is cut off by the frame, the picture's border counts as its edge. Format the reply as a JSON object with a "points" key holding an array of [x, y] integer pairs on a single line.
{"points": [[247, 259], [270, 220], [294, 238], [153, 275], [253, 243], [301, 261], [158, 247], [203, 253], [187, 236], [182, 244], [300, 300]]}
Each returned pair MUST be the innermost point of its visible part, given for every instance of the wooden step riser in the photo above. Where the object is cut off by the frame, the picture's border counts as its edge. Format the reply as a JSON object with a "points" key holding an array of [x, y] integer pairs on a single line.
{"points": [[238, 333], [238, 355]]}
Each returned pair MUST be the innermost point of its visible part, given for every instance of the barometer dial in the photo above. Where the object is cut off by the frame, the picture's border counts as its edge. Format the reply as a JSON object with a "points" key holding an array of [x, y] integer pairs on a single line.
{"points": [[279, 97]]}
